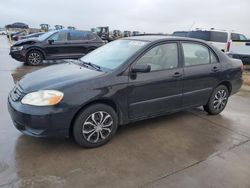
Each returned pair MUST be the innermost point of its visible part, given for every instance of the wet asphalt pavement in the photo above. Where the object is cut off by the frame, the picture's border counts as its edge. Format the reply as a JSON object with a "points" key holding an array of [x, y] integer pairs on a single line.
{"points": [[185, 149]]}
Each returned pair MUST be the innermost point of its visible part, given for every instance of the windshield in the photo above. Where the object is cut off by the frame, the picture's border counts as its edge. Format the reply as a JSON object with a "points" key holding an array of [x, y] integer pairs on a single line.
{"points": [[45, 35], [114, 54]]}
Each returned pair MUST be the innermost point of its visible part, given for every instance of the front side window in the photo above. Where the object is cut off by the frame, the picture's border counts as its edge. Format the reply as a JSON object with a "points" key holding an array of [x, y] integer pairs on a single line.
{"points": [[60, 36], [195, 54], [161, 57]]}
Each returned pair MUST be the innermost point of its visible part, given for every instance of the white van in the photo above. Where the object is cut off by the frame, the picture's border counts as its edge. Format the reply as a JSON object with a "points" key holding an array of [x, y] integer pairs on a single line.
{"points": [[219, 38]]}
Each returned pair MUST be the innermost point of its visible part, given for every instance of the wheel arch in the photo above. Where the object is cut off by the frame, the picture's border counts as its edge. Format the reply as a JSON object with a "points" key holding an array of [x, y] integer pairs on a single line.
{"points": [[36, 49], [227, 84], [108, 102]]}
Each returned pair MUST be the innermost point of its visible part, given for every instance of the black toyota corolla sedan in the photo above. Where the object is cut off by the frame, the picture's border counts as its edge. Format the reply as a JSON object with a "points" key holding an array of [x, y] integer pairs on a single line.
{"points": [[54, 45], [124, 81]]}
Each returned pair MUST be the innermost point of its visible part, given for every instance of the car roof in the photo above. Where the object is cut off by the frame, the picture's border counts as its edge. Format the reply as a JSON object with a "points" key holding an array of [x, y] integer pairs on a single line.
{"points": [[152, 38]]}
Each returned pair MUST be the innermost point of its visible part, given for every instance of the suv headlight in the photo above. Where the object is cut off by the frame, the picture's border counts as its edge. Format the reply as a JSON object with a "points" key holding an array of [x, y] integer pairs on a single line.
{"points": [[16, 48], [43, 98]]}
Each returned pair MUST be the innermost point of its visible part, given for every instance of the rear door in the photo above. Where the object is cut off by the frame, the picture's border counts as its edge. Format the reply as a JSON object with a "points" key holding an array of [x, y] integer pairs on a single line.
{"points": [[159, 90], [201, 73], [79, 43]]}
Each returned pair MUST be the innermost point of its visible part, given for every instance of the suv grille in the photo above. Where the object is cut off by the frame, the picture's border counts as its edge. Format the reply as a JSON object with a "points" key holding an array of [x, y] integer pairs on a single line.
{"points": [[17, 92]]}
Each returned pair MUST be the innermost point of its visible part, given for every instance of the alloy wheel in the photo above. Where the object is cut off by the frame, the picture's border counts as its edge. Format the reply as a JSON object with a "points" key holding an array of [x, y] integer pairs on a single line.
{"points": [[97, 127], [34, 58], [220, 100]]}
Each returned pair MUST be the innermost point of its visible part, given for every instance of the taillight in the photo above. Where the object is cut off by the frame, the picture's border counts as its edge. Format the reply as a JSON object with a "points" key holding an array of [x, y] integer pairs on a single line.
{"points": [[241, 67], [228, 46]]}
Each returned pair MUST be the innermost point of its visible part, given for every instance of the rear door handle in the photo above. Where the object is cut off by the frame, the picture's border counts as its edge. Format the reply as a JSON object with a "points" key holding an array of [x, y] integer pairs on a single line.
{"points": [[215, 69], [177, 74]]}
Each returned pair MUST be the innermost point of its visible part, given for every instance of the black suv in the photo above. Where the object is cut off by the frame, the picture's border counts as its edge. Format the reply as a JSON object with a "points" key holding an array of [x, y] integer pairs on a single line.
{"points": [[53, 45]]}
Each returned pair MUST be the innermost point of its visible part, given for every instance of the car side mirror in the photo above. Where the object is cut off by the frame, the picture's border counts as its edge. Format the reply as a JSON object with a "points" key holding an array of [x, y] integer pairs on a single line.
{"points": [[140, 68], [51, 41]]}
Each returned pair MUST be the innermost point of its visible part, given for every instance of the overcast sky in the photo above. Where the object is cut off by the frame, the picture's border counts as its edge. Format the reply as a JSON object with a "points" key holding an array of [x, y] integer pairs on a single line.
{"points": [[143, 15]]}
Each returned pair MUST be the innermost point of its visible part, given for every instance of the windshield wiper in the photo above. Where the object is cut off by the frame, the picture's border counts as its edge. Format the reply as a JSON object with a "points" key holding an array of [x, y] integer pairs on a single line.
{"points": [[96, 67]]}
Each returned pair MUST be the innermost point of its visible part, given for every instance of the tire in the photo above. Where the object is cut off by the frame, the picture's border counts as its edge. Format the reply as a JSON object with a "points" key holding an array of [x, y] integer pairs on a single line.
{"points": [[89, 132], [217, 101], [34, 58]]}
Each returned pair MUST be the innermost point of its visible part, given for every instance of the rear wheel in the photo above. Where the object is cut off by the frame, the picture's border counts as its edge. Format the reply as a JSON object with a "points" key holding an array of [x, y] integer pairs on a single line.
{"points": [[217, 101], [95, 125], [34, 58]]}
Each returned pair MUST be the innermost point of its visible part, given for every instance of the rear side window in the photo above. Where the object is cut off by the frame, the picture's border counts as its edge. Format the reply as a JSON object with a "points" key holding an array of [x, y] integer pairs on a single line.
{"points": [[195, 54], [218, 36], [235, 36], [78, 35], [203, 35], [213, 36]]}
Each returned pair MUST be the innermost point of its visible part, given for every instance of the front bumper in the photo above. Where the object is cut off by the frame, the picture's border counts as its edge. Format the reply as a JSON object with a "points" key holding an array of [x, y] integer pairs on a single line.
{"points": [[40, 121], [18, 55]]}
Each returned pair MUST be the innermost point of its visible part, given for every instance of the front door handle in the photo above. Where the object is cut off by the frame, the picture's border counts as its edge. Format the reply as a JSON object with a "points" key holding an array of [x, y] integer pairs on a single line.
{"points": [[177, 74]]}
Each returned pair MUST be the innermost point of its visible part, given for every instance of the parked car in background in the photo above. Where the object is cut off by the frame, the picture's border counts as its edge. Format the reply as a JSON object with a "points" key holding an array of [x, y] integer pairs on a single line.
{"points": [[180, 33], [33, 35], [17, 25], [53, 45], [123, 81], [239, 48], [127, 33], [18, 35], [2, 31], [219, 38], [11, 34]]}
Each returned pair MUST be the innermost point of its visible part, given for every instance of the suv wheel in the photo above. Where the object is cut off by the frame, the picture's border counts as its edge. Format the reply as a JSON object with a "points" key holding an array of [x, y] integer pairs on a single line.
{"points": [[218, 100], [95, 125], [34, 58]]}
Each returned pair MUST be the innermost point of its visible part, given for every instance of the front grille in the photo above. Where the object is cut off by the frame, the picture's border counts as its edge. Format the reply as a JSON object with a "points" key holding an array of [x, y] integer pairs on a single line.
{"points": [[17, 92]]}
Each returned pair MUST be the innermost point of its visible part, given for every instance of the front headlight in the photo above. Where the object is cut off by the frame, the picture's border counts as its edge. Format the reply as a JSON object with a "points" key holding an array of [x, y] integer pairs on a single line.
{"points": [[43, 98], [16, 48]]}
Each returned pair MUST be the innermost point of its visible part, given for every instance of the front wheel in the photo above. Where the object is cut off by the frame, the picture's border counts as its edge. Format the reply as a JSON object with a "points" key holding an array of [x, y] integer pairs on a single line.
{"points": [[95, 125], [217, 101], [34, 58]]}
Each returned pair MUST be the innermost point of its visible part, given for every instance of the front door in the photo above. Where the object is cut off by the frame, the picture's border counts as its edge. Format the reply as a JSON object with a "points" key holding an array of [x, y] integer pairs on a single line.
{"points": [[59, 47], [159, 90]]}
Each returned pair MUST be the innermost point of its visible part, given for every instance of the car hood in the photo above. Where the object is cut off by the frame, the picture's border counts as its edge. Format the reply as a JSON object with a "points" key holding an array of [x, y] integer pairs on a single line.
{"points": [[26, 41], [57, 76]]}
